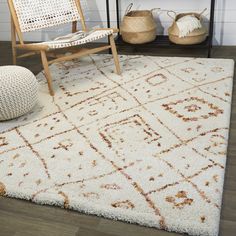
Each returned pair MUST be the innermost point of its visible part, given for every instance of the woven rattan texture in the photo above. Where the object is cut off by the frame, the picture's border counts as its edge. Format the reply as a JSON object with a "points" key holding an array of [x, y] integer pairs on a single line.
{"points": [[35, 14]]}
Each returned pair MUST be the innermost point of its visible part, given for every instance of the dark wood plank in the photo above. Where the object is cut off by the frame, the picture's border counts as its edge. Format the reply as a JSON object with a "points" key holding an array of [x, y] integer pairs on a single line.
{"points": [[22, 218], [48, 213], [37, 226], [121, 228]]}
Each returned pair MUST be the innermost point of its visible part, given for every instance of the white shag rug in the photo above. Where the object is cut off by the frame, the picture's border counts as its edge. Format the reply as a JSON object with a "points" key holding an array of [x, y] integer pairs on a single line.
{"points": [[147, 147]]}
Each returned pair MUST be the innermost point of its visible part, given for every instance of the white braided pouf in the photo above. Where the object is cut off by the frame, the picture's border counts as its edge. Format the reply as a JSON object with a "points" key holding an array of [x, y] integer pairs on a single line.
{"points": [[18, 91]]}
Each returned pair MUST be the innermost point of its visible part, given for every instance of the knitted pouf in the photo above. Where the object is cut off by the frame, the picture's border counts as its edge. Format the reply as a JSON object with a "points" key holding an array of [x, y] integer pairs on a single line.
{"points": [[18, 91]]}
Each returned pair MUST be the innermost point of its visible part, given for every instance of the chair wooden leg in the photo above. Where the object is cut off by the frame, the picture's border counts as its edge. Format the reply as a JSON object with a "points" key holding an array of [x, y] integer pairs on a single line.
{"points": [[114, 53], [14, 55], [13, 42], [47, 72]]}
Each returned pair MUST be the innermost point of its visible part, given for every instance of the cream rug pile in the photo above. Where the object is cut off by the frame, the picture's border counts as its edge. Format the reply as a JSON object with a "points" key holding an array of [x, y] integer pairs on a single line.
{"points": [[147, 147]]}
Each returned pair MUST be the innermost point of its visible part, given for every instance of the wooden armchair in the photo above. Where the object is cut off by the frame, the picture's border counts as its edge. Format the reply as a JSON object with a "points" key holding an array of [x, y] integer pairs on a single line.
{"points": [[34, 15]]}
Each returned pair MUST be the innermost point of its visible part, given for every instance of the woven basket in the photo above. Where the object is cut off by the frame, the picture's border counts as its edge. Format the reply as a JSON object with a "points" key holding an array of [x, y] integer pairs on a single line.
{"points": [[196, 37], [138, 27]]}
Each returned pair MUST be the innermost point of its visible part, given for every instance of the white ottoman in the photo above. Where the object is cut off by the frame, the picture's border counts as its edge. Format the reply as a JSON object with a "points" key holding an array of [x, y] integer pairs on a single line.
{"points": [[18, 91]]}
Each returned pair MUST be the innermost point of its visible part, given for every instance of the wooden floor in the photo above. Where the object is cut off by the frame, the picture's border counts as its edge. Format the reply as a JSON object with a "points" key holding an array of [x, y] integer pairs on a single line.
{"points": [[22, 218]]}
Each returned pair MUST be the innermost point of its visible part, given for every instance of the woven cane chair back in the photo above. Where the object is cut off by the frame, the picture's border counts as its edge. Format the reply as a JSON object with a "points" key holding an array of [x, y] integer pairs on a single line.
{"points": [[39, 14]]}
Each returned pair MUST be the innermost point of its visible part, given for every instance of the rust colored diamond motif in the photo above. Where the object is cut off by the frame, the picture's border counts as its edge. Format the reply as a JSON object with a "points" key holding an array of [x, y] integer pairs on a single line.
{"points": [[91, 195], [217, 69], [156, 79], [3, 141], [192, 109], [180, 200], [188, 70], [123, 128], [65, 144], [110, 186], [217, 145], [127, 204]]}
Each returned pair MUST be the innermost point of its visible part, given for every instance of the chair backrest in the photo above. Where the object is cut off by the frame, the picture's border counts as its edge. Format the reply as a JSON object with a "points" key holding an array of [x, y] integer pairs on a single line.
{"points": [[39, 14]]}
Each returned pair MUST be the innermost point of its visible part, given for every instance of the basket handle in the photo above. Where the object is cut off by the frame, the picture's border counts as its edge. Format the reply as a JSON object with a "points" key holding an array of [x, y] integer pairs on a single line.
{"points": [[201, 13], [128, 9], [169, 14], [155, 9]]}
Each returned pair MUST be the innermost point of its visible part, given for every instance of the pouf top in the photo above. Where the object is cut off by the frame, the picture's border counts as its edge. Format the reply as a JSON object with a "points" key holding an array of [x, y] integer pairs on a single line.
{"points": [[13, 72], [18, 91]]}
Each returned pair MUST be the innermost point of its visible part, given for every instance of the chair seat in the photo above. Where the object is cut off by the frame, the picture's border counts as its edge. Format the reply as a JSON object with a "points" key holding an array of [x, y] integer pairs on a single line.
{"points": [[93, 36]]}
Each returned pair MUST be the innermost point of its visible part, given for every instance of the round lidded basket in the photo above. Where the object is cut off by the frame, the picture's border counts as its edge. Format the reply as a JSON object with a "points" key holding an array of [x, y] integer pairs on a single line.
{"points": [[139, 26], [195, 37]]}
